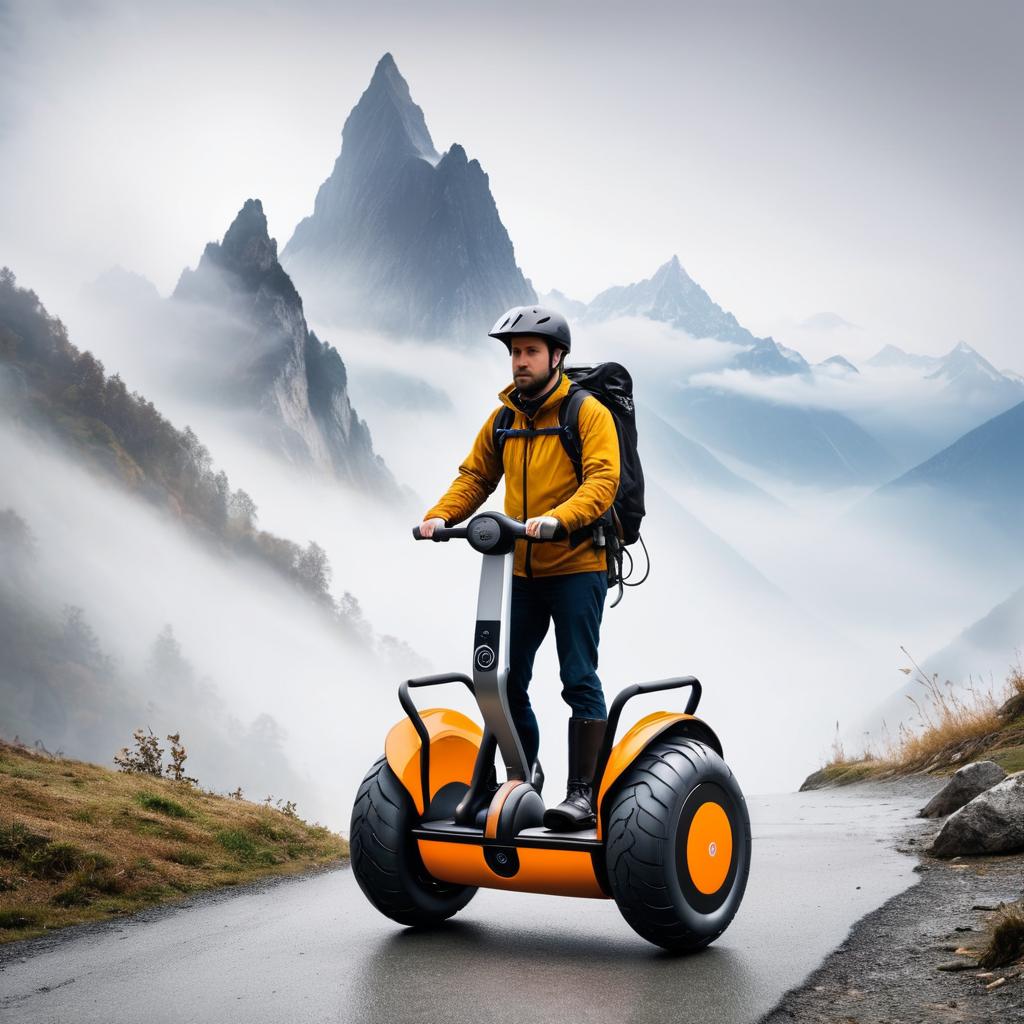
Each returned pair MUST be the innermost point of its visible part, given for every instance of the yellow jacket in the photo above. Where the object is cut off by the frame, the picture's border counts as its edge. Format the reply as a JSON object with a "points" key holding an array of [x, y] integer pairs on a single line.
{"points": [[540, 481]]}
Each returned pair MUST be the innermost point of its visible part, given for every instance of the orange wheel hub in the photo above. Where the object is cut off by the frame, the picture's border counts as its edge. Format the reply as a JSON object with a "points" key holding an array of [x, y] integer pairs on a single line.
{"points": [[709, 848]]}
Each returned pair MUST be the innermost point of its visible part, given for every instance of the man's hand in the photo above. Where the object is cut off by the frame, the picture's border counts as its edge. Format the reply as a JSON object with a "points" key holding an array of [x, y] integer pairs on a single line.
{"points": [[428, 526], [534, 524]]}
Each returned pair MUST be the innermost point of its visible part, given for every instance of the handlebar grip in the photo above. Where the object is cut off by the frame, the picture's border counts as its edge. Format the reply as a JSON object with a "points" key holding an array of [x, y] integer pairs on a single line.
{"points": [[441, 533], [551, 532]]}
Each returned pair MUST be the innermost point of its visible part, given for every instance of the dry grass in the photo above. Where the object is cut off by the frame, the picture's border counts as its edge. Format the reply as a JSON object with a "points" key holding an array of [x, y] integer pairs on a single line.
{"points": [[1006, 939], [953, 729], [79, 842]]}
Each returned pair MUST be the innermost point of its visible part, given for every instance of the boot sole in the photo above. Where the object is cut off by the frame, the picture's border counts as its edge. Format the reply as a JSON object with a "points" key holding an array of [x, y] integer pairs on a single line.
{"points": [[557, 821]]}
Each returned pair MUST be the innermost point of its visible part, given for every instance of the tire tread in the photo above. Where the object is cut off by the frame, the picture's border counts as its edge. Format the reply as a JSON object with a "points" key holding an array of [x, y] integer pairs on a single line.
{"points": [[635, 856]]}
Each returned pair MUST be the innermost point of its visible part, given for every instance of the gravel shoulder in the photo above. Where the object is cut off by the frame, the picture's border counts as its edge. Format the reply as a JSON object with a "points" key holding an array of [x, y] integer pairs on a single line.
{"points": [[887, 969]]}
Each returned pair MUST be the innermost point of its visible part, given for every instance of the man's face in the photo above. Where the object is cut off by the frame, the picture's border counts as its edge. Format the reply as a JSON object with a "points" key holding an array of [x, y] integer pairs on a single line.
{"points": [[532, 363]]}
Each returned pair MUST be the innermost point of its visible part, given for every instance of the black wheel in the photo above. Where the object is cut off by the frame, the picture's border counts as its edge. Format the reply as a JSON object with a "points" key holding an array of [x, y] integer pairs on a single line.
{"points": [[678, 844], [385, 859]]}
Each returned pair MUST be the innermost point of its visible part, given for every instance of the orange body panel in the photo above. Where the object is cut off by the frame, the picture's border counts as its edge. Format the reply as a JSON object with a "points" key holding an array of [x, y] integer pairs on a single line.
{"points": [[454, 742], [628, 748], [556, 872]]}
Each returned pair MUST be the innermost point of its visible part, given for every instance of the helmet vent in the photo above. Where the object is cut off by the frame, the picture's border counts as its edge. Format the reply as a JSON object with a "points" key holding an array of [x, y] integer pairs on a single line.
{"points": [[517, 319], [543, 320]]}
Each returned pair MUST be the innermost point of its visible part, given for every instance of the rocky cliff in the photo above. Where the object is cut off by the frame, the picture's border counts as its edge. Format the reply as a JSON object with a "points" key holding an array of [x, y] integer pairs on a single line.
{"points": [[269, 361]]}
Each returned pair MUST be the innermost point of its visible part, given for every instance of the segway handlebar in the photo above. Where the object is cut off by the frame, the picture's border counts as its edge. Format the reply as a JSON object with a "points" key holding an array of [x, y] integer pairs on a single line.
{"points": [[492, 532]]}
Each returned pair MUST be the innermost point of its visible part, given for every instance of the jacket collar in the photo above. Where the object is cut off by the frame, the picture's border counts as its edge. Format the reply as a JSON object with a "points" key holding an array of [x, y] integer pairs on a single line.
{"points": [[560, 391]]}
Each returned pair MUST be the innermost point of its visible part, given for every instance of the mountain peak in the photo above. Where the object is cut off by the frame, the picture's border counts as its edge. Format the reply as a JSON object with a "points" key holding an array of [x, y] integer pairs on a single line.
{"points": [[671, 269], [964, 366], [767, 358], [245, 261], [387, 78], [671, 296], [838, 363], [248, 240], [456, 155], [401, 237], [386, 123], [892, 356]]}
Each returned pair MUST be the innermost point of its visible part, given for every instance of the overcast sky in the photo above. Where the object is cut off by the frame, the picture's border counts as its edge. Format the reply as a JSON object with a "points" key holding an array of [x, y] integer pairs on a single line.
{"points": [[861, 158]]}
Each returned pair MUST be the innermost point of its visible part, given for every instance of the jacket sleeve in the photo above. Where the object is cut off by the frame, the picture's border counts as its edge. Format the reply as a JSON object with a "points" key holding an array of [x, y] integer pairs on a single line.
{"points": [[600, 444], [478, 475]]}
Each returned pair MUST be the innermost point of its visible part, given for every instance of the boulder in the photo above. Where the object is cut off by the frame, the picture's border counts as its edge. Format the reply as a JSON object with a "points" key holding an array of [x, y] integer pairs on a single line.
{"points": [[962, 788], [993, 822]]}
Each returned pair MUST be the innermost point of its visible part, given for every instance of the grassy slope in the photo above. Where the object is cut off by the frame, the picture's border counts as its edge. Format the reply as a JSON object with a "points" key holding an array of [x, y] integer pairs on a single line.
{"points": [[79, 842], [955, 736]]}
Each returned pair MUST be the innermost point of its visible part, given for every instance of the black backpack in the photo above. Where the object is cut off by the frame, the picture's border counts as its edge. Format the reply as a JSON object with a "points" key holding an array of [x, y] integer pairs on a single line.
{"points": [[612, 386]]}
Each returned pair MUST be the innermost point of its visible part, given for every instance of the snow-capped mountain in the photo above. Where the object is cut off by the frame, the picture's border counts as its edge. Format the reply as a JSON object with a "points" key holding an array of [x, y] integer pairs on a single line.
{"points": [[670, 295], [893, 356], [967, 375], [836, 365], [572, 309], [402, 239], [768, 358]]}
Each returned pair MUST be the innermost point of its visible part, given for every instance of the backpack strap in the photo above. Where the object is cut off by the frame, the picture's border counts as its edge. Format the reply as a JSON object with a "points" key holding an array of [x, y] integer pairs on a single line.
{"points": [[568, 430], [502, 424], [569, 422]]}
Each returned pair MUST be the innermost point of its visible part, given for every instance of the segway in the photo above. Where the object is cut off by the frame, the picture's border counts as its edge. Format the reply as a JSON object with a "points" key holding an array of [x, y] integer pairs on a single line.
{"points": [[431, 823]]}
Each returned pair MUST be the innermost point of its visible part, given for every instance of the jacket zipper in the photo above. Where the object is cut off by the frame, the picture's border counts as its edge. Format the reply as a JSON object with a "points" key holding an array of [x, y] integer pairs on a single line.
{"points": [[529, 542]]}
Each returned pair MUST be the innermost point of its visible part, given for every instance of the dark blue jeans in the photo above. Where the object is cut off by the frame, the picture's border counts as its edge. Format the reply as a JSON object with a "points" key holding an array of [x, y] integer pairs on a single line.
{"points": [[575, 602]]}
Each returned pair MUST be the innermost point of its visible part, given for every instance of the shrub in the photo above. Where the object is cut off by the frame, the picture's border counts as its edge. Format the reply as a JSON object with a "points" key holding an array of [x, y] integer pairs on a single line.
{"points": [[242, 845], [145, 759], [16, 841], [163, 805], [54, 860], [237, 842], [187, 858], [176, 769], [19, 917]]}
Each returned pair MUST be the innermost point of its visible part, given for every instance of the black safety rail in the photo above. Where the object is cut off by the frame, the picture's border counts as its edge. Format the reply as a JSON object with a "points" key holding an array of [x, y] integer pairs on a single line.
{"points": [[417, 722], [620, 702]]}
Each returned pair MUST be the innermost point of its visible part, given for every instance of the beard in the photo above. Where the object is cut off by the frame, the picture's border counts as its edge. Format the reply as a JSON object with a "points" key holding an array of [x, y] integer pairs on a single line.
{"points": [[530, 384]]}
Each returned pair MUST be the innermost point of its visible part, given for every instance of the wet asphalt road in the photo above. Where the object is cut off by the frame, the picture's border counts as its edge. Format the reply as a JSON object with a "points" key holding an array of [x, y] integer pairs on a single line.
{"points": [[312, 949]]}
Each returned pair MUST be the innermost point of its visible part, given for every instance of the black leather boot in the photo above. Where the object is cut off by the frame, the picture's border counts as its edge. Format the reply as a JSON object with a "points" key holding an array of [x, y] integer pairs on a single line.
{"points": [[577, 811]]}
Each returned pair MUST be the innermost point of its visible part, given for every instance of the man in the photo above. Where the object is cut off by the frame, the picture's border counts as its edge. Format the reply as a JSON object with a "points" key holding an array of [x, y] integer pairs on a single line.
{"points": [[561, 581]]}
